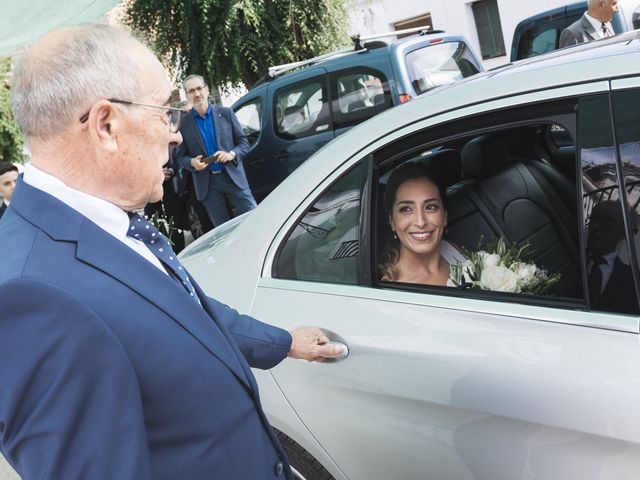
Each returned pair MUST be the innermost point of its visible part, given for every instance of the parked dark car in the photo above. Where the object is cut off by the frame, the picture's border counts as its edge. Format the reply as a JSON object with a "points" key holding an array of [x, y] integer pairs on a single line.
{"points": [[541, 33], [300, 107]]}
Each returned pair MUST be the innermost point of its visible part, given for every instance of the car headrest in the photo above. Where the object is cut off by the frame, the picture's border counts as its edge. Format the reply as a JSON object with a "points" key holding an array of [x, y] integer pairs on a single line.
{"points": [[485, 155], [445, 164]]}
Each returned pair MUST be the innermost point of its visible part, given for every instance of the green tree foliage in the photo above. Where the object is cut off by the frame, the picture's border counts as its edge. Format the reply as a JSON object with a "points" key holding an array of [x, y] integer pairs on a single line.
{"points": [[232, 41], [10, 139]]}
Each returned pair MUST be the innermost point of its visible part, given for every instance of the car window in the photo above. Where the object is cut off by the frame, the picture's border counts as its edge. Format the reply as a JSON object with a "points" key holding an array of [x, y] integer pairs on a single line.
{"points": [[539, 39], [503, 186], [439, 64], [359, 94], [249, 119], [324, 244], [608, 254], [302, 109]]}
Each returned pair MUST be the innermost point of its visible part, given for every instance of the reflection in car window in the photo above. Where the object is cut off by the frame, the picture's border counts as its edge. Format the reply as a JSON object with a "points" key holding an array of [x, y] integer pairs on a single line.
{"points": [[610, 278], [249, 118], [301, 110], [441, 64], [324, 245]]}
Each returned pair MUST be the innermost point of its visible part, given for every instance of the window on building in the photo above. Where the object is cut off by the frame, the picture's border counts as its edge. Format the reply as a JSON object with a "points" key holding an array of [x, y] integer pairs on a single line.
{"points": [[415, 22], [489, 28]]}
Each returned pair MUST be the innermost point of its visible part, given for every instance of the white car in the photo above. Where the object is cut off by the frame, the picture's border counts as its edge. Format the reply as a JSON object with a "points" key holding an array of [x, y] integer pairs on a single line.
{"points": [[459, 383]]}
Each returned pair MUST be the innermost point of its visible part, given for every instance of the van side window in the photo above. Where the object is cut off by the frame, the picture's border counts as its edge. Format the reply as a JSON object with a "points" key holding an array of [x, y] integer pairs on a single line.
{"points": [[249, 116], [302, 109], [324, 245], [359, 94]]}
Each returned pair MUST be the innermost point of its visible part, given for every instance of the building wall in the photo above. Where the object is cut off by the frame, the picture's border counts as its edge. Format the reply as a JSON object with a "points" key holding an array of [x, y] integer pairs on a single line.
{"points": [[368, 17]]}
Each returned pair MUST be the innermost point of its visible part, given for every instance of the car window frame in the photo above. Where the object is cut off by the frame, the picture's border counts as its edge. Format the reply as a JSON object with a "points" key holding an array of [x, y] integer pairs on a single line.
{"points": [[365, 290]]}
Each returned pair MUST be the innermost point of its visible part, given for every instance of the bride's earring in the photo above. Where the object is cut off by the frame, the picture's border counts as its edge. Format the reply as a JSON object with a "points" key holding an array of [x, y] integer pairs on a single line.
{"points": [[395, 237]]}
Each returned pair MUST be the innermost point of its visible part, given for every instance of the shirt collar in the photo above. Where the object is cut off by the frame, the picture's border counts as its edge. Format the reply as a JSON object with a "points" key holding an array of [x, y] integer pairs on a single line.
{"points": [[106, 215], [597, 24], [197, 115]]}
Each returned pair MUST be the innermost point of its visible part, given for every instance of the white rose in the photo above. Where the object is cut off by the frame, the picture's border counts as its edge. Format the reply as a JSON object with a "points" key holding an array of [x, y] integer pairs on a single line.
{"points": [[526, 271], [491, 260], [499, 278]]}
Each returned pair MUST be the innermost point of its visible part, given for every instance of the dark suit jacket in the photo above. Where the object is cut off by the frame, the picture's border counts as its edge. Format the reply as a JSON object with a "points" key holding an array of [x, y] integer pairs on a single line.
{"points": [[3, 207], [619, 294], [579, 31], [229, 136], [111, 371]]}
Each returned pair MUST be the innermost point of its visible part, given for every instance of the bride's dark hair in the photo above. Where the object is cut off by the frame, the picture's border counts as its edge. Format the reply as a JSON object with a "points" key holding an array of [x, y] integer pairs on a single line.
{"points": [[407, 171]]}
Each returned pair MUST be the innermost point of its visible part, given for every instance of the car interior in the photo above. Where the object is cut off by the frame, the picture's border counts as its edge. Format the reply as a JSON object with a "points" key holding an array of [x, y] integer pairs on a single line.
{"points": [[518, 184]]}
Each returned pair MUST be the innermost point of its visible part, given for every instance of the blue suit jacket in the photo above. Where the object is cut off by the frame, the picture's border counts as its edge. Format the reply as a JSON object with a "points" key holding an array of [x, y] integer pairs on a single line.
{"points": [[111, 371], [229, 136]]}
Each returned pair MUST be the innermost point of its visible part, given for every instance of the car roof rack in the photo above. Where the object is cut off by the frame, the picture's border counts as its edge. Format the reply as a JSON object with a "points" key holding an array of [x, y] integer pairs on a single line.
{"points": [[359, 44], [424, 30]]}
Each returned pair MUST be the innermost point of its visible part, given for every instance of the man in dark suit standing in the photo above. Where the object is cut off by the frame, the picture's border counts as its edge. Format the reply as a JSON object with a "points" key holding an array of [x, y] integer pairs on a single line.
{"points": [[213, 148], [8, 178], [595, 23], [611, 284], [115, 364]]}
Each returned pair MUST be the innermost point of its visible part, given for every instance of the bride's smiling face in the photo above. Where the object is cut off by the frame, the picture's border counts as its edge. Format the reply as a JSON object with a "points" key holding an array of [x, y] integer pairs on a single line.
{"points": [[418, 216]]}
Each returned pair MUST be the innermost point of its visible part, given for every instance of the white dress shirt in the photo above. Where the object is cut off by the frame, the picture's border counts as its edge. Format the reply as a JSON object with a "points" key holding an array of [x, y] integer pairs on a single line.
{"points": [[109, 217], [597, 24]]}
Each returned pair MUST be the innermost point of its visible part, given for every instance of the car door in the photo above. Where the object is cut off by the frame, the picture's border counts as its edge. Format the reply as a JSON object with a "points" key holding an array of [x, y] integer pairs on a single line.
{"points": [[447, 383], [256, 123]]}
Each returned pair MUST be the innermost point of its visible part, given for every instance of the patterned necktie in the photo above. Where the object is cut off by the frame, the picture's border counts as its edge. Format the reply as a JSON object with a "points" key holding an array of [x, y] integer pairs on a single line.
{"points": [[142, 230], [605, 30]]}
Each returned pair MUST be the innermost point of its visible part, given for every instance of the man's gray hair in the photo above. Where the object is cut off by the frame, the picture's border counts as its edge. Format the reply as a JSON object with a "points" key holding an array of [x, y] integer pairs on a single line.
{"points": [[55, 85], [191, 77]]}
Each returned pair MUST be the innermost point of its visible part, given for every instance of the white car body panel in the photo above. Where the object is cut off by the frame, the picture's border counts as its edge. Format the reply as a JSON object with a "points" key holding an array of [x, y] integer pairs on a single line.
{"points": [[439, 386]]}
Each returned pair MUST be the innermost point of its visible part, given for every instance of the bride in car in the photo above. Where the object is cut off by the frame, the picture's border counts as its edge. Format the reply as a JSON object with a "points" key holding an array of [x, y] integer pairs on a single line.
{"points": [[415, 203]]}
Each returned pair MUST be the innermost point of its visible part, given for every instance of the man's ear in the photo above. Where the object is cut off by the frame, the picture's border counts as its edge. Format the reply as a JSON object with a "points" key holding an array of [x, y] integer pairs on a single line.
{"points": [[105, 123]]}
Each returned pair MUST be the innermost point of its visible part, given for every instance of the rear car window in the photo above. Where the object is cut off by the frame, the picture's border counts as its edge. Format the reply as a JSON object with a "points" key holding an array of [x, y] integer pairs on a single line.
{"points": [[439, 64]]}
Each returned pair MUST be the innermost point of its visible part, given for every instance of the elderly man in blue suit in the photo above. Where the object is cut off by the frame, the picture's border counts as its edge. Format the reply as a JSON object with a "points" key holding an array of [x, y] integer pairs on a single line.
{"points": [[213, 148], [115, 364]]}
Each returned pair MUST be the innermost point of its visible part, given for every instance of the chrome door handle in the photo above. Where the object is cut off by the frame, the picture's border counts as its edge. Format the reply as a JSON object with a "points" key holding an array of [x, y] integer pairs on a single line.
{"points": [[344, 354]]}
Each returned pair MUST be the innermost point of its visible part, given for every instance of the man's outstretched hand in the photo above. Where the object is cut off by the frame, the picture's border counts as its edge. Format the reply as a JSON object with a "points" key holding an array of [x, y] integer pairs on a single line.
{"points": [[309, 343]]}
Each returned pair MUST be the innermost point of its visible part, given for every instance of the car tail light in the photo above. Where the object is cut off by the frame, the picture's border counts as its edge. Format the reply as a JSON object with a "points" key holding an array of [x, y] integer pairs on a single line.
{"points": [[404, 97], [436, 40]]}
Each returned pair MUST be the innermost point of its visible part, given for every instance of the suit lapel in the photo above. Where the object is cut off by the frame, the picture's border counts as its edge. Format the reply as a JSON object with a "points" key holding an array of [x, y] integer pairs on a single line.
{"points": [[217, 125], [589, 30], [102, 251], [192, 125]]}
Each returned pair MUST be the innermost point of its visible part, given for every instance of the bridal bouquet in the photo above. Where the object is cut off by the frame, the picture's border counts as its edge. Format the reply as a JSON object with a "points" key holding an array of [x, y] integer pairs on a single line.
{"points": [[502, 269]]}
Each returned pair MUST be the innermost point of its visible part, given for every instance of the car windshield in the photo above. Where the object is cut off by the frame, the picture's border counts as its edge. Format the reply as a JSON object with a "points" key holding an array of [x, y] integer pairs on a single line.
{"points": [[439, 64]]}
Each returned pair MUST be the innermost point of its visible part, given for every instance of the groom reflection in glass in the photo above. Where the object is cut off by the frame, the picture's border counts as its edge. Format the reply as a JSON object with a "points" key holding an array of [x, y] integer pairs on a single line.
{"points": [[611, 285]]}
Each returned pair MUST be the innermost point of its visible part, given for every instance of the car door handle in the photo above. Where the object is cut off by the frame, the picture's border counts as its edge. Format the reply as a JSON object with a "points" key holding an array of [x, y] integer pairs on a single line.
{"points": [[335, 339], [344, 354], [281, 156]]}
